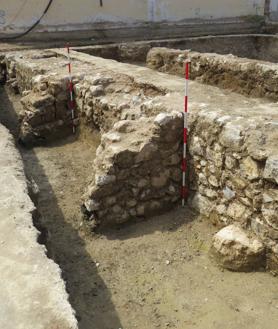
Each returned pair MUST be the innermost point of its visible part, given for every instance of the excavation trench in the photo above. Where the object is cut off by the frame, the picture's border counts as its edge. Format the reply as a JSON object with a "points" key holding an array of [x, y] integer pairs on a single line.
{"points": [[60, 171], [124, 278], [245, 64], [258, 47]]}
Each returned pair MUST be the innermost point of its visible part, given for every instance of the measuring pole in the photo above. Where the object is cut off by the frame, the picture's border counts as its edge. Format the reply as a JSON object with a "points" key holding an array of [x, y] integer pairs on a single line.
{"points": [[185, 133], [71, 103]]}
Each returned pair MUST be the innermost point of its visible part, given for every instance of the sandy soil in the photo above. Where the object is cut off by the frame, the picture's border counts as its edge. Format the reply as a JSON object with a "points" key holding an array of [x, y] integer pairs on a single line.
{"points": [[147, 275]]}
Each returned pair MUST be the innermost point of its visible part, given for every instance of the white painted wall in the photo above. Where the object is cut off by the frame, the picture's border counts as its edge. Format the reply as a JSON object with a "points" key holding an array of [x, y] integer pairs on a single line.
{"points": [[17, 15], [273, 9], [210, 9]]}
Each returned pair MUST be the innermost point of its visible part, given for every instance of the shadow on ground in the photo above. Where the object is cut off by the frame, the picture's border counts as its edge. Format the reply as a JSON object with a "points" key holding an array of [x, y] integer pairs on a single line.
{"points": [[88, 293], [158, 223]]}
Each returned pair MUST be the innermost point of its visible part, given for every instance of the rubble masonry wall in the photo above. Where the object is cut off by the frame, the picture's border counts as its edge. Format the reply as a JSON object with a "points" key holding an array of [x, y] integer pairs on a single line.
{"points": [[241, 75], [233, 160]]}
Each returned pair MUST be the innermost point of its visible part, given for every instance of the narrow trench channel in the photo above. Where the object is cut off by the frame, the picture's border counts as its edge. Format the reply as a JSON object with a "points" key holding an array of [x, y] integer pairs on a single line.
{"points": [[62, 170]]}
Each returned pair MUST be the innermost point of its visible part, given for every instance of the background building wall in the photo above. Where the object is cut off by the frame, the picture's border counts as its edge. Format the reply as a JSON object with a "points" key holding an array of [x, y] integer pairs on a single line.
{"points": [[17, 15], [273, 10]]}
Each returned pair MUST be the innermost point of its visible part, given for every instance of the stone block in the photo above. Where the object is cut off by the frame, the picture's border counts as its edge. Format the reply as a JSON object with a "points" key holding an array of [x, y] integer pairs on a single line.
{"points": [[271, 169], [233, 249]]}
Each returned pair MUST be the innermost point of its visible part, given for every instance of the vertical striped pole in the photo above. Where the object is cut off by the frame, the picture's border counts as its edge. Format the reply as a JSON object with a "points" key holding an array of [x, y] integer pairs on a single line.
{"points": [[185, 133], [71, 103]]}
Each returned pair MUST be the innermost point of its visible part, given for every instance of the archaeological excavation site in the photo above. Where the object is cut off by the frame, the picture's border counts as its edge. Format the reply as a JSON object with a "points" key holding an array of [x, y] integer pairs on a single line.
{"points": [[139, 164]]}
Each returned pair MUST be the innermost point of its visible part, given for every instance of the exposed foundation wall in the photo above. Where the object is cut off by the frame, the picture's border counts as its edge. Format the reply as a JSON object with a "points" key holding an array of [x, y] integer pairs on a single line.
{"points": [[134, 144], [137, 172], [45, 101], [232, 146], [17, 16], [234, 172], [245, 76]]}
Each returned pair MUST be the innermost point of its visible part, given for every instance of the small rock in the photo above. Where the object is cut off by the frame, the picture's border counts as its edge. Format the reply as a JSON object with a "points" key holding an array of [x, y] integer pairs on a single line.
{"points": [[201, 204], [110, 201], [160, 180], [172, 189], [230, 162], [250, 169], [228, 193], [271, 169], [105, 180], [221, 209], [143, 182], [26, 92], [101, 80], [131, 203], [33, 189], [196, 146], [111, 137], [91, 205], [231, 137], [140, 210], [117, 209], [124, 126], [270, 208], [162, 119], [147, 152], [238, 211], [213, 181]]}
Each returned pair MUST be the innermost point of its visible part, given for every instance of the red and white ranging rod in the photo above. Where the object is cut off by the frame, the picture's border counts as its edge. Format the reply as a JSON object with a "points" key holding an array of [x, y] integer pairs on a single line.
{"points": [[71, 102], [185, 133]]}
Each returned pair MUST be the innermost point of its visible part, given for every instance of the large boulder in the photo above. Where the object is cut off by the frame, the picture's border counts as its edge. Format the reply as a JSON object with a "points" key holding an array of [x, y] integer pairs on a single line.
{"points": [[233, 249]]}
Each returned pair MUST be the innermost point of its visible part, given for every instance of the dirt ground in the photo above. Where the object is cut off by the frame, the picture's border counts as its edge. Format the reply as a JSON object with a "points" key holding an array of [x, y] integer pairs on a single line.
{"points": [[147, 275]]}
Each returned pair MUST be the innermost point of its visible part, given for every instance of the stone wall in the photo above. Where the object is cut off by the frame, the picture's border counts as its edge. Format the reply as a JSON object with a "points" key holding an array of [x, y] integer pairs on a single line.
{"points": [[45, 96], [232, 144], [137, 170], [233, 169], [245, 76]]}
